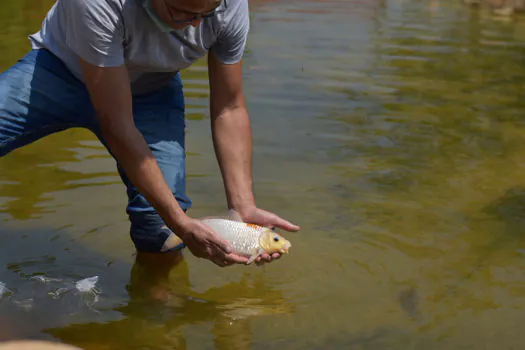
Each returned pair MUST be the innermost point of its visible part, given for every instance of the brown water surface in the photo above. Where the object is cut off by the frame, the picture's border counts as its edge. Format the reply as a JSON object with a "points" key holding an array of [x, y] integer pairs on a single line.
{"points": [[391, 131]]}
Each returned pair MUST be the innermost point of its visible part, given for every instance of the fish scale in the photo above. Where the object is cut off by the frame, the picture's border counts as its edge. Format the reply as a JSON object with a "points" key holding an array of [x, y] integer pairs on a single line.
{"points": [[243, 237]]}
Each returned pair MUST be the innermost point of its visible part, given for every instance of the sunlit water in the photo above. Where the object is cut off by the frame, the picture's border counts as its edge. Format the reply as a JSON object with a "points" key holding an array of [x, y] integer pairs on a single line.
{"points": [[392, 132]]}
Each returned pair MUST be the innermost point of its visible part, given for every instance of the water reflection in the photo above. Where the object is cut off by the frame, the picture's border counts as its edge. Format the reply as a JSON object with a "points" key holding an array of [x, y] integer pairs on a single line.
{"points": [[28, 188], [390, 130], [220, 316], [159, 307]]}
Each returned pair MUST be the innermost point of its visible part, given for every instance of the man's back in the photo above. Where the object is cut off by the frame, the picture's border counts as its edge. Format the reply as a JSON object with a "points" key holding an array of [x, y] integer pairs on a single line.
{"points": [[116, 32]]}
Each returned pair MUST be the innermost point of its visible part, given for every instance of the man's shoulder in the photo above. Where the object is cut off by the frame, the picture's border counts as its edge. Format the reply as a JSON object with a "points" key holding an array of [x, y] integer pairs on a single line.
{"points": [[235, 7], [112, 15], [99, 7], [99, 3], [231, 41], [236, 12]]}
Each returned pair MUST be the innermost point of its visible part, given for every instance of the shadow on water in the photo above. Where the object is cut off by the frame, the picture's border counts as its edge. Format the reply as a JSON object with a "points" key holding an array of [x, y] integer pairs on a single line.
{"points": [[225, 322], [510, 209], [508, 237], [505, 239], [28, 253], [25, 192], [153, 309]]}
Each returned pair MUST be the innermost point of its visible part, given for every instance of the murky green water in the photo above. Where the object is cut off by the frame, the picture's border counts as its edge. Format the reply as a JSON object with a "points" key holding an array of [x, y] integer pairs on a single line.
{"points": [[392, 132]]}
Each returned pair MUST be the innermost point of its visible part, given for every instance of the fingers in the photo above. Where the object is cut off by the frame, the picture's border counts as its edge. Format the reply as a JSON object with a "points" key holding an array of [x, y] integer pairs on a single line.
{"points": [[227, 259], [236, 259], [219, 242], [205, 243], [276, 221], [222, 263], [232, 259], [265, 258], [224, 246], [285, 225], [222, 254]]}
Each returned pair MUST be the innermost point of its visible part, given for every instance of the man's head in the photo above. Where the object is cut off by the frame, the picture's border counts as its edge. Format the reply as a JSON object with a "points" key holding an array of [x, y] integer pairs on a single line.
{"points": [[181, 13]]}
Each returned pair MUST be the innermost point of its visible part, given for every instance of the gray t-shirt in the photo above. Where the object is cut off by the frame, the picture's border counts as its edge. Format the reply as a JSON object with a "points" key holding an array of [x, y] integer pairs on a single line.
{"points": [[115, 32]]}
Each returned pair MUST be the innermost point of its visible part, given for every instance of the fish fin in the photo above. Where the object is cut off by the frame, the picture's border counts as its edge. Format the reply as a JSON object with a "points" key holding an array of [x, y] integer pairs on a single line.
{"points": [[254, 256], [234, 215], [252, 259]]}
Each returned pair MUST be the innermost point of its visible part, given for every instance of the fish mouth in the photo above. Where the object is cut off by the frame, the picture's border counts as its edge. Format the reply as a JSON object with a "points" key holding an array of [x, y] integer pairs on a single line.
{"points": [[285, 248]]}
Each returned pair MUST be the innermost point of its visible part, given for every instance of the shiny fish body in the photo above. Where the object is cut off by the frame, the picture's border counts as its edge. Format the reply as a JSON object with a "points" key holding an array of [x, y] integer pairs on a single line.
{"points": [[244, 238], [3, 289]]}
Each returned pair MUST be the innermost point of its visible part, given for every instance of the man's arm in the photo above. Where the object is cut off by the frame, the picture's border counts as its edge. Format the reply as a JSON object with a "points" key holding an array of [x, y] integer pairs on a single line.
{"points": [[111, 96], [231, 130], [232, 139]]}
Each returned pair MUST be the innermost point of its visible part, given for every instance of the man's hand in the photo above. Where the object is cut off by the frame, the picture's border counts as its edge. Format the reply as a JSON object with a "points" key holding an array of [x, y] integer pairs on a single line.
{"points": [[203, 242], [265, 218]]}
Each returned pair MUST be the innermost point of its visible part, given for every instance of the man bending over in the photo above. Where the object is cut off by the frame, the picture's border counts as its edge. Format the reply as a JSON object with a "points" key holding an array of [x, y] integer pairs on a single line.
{"points": [[113, 67]]}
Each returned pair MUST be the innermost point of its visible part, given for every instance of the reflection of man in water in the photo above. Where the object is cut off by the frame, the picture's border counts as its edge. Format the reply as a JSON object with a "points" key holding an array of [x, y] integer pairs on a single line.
{"points": [[157, 317], [112, 66], [160, 306]]}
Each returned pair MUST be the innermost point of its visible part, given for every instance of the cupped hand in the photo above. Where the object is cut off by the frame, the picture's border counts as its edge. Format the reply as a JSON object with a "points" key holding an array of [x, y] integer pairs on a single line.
{"points": [[204, 243], [268, 219]]}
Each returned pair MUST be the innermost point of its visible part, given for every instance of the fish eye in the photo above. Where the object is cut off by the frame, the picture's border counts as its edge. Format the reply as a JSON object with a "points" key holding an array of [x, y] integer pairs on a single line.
{"points": [[276, 239]]}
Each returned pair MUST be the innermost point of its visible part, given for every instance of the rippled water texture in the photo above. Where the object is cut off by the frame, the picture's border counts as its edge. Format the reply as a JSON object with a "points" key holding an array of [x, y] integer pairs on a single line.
{"points": [[391, 131]]}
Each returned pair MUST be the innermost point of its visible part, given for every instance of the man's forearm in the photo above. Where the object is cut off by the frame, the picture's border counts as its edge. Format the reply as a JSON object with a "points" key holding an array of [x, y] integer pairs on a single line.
{"points": [[110, 94], [232, 139], [139, 164]]}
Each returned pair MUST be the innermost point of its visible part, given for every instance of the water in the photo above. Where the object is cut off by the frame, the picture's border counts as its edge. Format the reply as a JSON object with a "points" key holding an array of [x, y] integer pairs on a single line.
{"points": [[391, 131]]}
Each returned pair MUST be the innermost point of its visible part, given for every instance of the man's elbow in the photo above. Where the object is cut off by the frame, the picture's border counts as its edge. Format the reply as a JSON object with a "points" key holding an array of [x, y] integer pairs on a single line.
{"points": [[230, 106], [234, 112]]}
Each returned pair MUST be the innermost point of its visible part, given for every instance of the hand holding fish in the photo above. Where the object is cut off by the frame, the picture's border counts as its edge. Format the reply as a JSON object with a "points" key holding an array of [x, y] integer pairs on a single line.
{"points": [[268, 219], [204, 243], [237, 239], [251, 235]]}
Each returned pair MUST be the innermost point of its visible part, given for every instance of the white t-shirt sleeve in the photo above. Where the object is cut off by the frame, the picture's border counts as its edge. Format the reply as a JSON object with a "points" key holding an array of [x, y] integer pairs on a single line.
{"points": [[94, 30], [231, 42]]}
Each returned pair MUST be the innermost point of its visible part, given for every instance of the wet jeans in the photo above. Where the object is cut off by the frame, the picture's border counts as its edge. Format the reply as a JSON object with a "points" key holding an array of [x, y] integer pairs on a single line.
{"points": [[40, 96]]}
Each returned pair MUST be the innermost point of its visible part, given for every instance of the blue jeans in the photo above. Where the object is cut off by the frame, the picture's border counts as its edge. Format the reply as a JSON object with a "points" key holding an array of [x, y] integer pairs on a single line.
{"points": [[40, 96]]}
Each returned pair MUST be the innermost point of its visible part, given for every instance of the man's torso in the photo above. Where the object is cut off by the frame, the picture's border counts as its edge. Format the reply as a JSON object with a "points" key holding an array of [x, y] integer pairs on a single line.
{"points": [[114, 32]]}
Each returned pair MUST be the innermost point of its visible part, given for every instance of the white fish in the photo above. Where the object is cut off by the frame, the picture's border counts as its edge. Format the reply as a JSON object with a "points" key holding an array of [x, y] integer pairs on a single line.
{"points": [[87, 285], [87, 288], [3, 289], [247, 239]]}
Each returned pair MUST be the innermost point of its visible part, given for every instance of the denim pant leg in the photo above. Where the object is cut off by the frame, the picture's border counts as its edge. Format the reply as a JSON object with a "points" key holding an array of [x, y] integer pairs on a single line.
{"points": [[39, 96], [160, 117]]}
